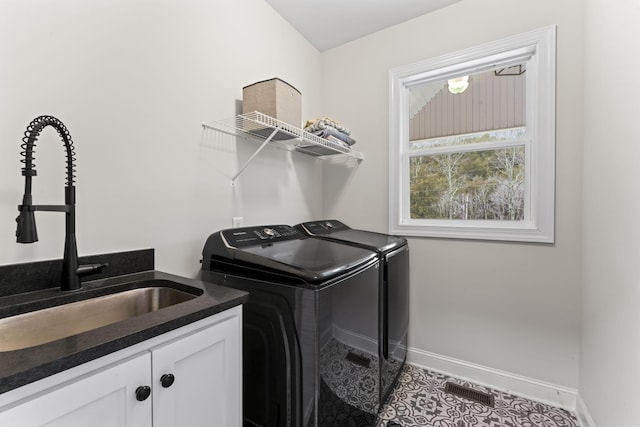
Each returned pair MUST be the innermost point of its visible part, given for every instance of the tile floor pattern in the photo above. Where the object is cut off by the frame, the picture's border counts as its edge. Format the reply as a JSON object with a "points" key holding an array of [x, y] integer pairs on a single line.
{"points": [[419, 400]]}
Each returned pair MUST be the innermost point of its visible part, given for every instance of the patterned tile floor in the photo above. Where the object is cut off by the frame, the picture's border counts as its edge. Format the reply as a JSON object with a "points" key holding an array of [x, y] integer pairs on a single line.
{"points": [[419, 400]]}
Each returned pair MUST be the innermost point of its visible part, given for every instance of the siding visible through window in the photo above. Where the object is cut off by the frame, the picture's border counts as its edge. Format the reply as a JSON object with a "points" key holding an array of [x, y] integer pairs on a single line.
{"points": [[490, 102]]}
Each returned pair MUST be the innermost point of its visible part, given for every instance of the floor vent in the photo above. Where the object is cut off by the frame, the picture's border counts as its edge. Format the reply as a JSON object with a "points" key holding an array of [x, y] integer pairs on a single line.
{"points": [[469, 393], [358, 360]]}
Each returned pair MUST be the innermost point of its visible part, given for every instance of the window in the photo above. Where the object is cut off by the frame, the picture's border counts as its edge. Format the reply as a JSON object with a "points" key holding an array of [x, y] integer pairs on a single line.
{"points": [[472, 142]]}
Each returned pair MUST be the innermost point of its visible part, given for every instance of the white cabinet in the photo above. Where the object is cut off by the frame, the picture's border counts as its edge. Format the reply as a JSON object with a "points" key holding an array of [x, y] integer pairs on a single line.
{"points": [[206, 391], [105, 398], [204, 360]]}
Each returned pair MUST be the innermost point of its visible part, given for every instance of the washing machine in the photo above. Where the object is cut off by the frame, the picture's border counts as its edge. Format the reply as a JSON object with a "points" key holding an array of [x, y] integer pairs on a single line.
{"points": [[311, 325], [393, 253]]}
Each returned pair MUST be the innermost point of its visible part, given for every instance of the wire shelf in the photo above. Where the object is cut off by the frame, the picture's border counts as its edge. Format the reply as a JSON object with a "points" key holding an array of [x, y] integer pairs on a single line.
{"points": [[259, 126]]}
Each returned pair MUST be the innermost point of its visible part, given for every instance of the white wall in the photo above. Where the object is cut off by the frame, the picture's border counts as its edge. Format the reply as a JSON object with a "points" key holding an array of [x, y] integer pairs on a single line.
{"points": [[610, 345], [133, 81], [512, 307]]}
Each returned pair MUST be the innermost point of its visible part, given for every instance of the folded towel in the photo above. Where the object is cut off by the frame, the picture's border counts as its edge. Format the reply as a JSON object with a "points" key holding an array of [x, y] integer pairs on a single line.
{"points": [[331, 131], [337, 142], [318, 124]]}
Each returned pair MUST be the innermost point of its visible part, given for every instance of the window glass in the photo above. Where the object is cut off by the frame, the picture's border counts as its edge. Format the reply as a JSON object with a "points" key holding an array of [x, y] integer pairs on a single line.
{"points": [[469, 104], [476, 185]]}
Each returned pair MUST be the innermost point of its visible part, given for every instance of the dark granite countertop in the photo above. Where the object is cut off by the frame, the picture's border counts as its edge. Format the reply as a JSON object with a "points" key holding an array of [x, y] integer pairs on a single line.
{"points": [[21, 367]]}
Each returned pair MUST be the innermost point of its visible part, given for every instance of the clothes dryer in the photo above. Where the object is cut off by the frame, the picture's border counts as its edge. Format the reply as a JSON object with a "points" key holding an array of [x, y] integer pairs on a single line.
{"points": [[393, 253]]}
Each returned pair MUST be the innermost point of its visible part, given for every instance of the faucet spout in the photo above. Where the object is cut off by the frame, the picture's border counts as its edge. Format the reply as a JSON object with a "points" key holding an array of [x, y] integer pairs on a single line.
{"points": [[26, 228]]}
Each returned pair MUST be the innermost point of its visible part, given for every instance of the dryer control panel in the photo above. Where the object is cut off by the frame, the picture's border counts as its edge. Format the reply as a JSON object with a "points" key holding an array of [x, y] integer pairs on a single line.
{"points": [[252, 236], [315, 228]]}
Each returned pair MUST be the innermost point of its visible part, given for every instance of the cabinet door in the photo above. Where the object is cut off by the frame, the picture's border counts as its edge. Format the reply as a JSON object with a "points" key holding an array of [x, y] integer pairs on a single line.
{"points": [[206, 367], [106, 398]]}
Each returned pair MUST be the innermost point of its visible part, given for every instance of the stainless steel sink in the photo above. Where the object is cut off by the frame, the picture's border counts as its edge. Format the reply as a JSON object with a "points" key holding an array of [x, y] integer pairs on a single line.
{"points": [[50, 324]]}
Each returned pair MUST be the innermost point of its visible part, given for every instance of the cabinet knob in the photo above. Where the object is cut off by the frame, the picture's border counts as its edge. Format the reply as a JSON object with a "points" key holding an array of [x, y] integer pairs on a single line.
{"points": [[143, 392], [167, 380]]}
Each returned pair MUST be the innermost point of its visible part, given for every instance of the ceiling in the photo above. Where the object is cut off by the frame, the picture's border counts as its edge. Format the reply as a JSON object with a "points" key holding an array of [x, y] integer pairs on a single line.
{"points": [[330, 23]]}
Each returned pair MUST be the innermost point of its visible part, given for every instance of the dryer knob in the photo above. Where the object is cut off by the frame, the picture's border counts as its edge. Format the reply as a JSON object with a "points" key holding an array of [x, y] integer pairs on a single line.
{"points": [[269, 232]]}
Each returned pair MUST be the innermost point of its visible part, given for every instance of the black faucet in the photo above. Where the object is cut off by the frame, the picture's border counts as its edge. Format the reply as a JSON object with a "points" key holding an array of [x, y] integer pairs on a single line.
{"points": [[26, 231]]}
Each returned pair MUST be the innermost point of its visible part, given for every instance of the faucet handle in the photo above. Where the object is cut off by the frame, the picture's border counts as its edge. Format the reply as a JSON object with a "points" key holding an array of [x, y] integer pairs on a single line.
{"points": [[86, 269]]}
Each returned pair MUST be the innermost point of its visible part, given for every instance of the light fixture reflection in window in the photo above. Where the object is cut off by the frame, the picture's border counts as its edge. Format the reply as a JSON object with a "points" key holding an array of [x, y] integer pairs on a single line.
{"points": [[458, 85]]}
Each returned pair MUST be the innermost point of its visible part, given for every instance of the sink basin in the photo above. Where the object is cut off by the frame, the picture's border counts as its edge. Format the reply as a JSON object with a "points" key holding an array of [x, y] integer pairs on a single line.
{"points": [[50, 324]]}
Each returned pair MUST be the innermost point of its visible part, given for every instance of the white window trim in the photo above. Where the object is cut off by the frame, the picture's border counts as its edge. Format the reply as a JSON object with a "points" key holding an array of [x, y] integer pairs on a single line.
{"points": [[538, 47]]}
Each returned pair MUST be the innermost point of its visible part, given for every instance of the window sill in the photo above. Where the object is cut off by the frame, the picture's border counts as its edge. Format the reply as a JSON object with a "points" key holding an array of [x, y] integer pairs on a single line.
{"points": [[473, 230]]}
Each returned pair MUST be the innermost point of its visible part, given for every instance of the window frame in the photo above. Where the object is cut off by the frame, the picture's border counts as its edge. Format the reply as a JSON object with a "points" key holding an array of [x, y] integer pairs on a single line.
{"points": [[538, 49]]}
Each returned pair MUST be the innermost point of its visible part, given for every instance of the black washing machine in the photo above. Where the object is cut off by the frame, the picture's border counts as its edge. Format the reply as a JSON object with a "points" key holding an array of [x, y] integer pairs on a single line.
{"points": [[393, 252], [310, 327]]}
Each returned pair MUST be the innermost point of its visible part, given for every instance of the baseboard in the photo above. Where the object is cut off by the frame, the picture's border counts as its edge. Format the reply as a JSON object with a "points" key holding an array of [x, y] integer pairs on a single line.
{"points": [[356, 340], [583, 414], [530, 388]]}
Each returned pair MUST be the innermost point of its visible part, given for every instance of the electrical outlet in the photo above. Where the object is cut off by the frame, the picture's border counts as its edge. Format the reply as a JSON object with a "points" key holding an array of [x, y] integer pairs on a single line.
{"points": [[236, 221]]}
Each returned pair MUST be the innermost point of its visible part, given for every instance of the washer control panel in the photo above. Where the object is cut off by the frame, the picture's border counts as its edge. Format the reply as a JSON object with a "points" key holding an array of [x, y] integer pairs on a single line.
{"points": [[251, 236]]}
